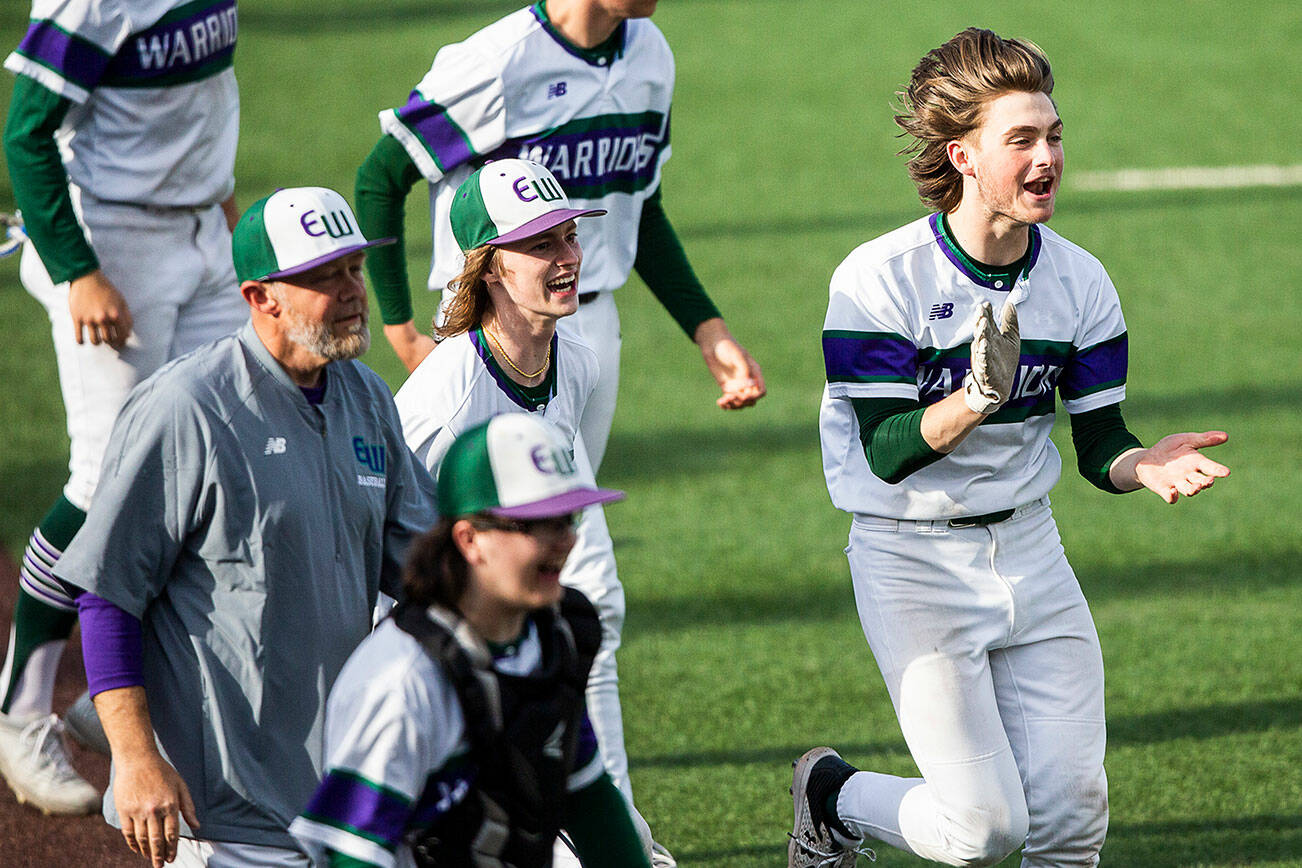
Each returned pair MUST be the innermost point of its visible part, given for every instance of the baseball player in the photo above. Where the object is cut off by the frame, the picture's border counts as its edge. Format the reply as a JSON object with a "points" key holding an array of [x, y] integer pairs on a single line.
{"points": [[256, 497], [120, 142], [583, 87], [422, 760], [944, 344], [501, 352]]}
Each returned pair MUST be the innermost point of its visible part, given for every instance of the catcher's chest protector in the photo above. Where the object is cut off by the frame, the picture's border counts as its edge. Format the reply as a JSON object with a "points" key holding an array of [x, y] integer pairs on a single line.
{"points": [[523, 732]]}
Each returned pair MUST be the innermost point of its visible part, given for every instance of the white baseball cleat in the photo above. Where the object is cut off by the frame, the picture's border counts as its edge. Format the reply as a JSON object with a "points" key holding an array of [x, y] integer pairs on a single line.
{"points": [[34, 760], [812, 843], [14, 234], [661, 858]]}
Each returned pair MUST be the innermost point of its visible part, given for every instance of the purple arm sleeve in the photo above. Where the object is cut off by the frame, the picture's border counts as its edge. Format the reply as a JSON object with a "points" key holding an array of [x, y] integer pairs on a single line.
{"points": [[111, 643]]}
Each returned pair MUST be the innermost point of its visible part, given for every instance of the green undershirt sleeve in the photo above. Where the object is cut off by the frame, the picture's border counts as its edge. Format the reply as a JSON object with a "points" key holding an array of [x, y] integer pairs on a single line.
{"points": [[597, 820], [40, 181], [339, 860], [891, 432], [1100, 436], [384, 179], [662, 264]]}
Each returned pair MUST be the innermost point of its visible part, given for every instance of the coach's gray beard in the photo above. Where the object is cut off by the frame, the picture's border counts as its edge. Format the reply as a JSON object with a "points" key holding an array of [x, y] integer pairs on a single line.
{"points": [[316, 337]]}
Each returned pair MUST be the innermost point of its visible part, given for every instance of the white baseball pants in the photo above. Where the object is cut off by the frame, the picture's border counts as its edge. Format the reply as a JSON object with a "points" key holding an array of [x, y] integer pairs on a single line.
{"points": [[173, 266], [200, 853], [596, 323], [993, 665]]}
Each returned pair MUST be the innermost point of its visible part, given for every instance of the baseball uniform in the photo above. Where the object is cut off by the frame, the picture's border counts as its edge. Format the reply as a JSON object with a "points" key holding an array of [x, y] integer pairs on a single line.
{"points": [[250, 531], [398, 757], [597, 118], [458, 386], [969, 606], [121, 144]]}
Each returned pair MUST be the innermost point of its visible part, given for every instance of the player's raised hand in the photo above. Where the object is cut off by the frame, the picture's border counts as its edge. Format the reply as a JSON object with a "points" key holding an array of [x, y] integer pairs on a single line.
{"points": [[733, 368], [1173, 465], [99, 312], [995, 353]]}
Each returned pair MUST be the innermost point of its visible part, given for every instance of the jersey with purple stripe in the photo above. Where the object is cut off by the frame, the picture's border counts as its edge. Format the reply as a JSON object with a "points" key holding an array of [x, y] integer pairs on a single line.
{"points": [[156, 110], [517, 89], [899, 325], [397, 756]]}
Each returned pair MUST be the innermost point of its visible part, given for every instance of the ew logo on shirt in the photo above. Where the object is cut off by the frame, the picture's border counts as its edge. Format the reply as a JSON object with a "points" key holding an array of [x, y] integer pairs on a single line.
{"points": [[372, 456]]}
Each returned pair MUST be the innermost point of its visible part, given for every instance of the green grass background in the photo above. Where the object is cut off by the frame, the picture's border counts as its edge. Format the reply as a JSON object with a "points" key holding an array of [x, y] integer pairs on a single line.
{"points": [[742, 648]]}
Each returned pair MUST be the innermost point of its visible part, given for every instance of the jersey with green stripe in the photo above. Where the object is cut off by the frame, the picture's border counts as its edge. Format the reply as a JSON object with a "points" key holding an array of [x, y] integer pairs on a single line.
{"points": [[899, 325], [598, 119], [155, 112]]}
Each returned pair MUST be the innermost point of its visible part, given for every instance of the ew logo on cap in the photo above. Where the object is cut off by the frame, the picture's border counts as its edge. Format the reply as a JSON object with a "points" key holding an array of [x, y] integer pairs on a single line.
{"points": [[545, 187], [336, 224], [553, 461]]}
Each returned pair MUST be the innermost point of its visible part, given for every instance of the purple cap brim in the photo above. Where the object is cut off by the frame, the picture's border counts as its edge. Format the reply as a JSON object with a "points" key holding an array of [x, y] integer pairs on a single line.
{"points": [[329, 257], [561, 504], [545, 222]]}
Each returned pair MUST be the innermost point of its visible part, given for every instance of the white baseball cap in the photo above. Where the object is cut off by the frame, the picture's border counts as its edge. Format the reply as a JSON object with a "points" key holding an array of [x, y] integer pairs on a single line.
{"points": [[514, 466], [507, 200], [293, 230]]}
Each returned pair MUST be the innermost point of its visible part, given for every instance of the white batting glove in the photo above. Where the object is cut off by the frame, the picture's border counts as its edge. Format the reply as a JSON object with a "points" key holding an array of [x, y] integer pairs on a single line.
{"points": [[14, 234], [995, 353]]}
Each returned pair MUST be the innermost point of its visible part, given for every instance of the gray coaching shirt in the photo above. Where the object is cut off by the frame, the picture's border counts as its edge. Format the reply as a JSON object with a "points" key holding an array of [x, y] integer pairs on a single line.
{"points": [[249, 531]]}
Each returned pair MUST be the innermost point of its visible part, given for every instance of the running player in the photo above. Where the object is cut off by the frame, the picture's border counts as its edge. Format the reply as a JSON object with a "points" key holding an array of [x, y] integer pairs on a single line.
{"points": [[501, 353], [130, 255], [944, 344], [583, 87]]}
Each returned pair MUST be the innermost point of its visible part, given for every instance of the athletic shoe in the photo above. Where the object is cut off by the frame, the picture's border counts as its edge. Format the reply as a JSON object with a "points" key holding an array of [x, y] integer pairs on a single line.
{"points": [[661, 858], [34, 761], [82, 723], [818, 774]]}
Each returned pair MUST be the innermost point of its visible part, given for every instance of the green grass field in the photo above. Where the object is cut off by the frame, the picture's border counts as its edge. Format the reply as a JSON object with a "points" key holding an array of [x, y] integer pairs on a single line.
{"points": [[742, 647]]}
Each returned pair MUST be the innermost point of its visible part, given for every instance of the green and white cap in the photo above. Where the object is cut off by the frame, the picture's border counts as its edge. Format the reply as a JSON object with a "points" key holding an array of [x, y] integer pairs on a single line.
{"points": [[515, 466], [508, 200], [293, 230]]}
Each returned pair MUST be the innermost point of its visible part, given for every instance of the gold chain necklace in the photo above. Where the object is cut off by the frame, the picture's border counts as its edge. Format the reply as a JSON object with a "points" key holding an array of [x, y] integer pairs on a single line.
{"points": [[547, 360]]}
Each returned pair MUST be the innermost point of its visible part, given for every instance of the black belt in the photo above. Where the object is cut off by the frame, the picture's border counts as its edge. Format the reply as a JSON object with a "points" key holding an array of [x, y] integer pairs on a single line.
{"points": [[982, 520], [585, 297]]}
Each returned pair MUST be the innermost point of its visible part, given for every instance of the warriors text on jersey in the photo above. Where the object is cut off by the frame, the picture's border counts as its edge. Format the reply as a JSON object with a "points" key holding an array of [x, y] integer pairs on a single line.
{"points": [[517, 89], [155, 114], [899, 325]]}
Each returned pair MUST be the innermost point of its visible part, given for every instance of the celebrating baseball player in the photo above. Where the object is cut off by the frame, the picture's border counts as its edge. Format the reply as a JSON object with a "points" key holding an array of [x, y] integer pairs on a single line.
{"points": [[583, 87], [428, 766], [944, 344], [501, 352], [256, 496], [120, 142]]}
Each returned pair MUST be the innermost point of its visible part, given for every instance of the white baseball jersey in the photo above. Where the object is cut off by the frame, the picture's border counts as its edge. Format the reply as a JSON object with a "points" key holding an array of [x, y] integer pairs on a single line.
{"points": [[517, 89], [900, 324], [397, 755], [156, 110], [460, 384]]}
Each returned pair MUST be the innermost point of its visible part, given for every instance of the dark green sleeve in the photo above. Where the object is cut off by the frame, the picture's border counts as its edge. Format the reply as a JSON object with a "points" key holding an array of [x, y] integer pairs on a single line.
{"points": [[1099, 437], [891, 432], [597, 820], [339, 860], [662, 264], [384, 179], [41, 183]]}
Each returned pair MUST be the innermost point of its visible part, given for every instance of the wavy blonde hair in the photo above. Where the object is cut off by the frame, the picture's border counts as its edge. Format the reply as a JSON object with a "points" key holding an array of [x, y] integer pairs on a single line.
{"points": [[946, 94], [470, 298]]}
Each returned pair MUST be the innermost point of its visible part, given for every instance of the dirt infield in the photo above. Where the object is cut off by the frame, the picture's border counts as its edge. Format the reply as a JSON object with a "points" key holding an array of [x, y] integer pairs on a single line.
{"points": [[28, 838]]}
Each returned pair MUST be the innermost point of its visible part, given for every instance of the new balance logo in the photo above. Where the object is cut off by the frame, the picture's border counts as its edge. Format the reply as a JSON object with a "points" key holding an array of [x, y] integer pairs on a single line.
{"points": [[275, 446], [942, 311], [555, 90]]}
